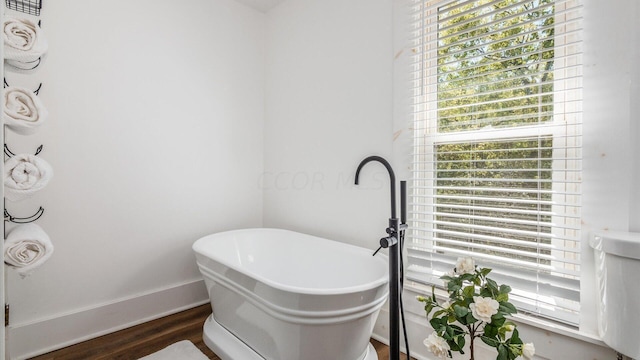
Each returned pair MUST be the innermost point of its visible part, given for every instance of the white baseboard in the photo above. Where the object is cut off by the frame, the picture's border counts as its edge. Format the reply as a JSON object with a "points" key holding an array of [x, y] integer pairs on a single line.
{"points": [[42, 336]]}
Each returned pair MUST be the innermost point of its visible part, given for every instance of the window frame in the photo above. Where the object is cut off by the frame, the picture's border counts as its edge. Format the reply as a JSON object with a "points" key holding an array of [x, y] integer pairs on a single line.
{"points": [[560, 129]]}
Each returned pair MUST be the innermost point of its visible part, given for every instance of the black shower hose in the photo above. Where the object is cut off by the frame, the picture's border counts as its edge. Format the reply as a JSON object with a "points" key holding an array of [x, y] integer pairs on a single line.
{"points": [[404, 324]]}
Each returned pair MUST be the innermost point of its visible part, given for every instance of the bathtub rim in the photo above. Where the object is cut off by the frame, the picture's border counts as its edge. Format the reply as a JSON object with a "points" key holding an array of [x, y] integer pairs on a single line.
{"points": [[382, 281]]}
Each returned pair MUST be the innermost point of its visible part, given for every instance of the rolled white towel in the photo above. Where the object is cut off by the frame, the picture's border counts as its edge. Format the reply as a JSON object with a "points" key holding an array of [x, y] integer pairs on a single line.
{"points": [[24, 44], [23, 110], [24, 174], [27, 246]]}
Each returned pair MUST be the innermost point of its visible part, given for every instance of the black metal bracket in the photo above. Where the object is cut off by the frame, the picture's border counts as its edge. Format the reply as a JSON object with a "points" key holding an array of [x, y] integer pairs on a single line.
{"points": [[36, 91], [10, 153], [23, 220]]}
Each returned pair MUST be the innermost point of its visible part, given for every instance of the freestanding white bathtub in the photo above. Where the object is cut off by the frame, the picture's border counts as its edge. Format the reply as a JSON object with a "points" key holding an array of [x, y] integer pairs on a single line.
{"points": [[282, 295]]}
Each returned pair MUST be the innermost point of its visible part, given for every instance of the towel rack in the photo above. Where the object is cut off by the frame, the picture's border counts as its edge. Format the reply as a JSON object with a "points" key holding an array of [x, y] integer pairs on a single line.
{"points": [[10, 153], [31, 7], [15, 219], [23, 220], [36, 91]]}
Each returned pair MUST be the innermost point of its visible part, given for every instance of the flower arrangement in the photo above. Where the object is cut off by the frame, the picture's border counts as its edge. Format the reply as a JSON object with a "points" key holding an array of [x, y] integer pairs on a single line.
{"points": [[477, 307]]}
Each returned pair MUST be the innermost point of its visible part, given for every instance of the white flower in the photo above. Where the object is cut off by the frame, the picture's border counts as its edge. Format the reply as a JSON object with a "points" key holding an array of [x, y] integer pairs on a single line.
{"points": [[445, 305], [437, 345], [465, 266], [528, 350], [483, 308]]}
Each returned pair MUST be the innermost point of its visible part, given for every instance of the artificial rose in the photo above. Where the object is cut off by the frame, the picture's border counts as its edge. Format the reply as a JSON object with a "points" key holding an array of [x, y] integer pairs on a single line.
{"points": [[528, 350], [437, 345], [483, 308], [465, 266], [467, 306]]}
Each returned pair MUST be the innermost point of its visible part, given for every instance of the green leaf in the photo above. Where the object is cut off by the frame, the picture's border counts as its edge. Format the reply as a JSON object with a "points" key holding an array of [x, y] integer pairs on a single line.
{"points": [[489, 341], [468, 277], [453, 286], [469, 291], [502, 297], [508, 308], [490, 330], [452, 318], [485, 271], [461, 342], [453, 345], [460, 311], [458, 330], [498, 319], [505, 289], [469, 319], [428, 308], [435, 323], [515, 337], [439, 313], [449, 333], [503, 352], [493, 286], [485, 292]]}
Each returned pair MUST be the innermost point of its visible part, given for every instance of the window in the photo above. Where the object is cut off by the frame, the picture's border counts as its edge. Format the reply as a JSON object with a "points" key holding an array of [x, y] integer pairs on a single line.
{"points": [[497, 146]]}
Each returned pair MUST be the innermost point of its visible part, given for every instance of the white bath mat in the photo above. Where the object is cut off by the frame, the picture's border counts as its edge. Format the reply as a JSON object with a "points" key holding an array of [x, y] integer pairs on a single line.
{"points": [[182, 350]]}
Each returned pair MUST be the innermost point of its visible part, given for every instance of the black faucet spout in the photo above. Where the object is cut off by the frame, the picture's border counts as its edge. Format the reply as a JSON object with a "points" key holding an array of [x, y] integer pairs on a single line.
{"points": [[392, 178], [394, 243]]}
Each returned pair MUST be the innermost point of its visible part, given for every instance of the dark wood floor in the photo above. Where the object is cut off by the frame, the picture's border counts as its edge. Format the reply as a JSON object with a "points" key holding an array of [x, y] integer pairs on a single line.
{"points": [[138, 341]]}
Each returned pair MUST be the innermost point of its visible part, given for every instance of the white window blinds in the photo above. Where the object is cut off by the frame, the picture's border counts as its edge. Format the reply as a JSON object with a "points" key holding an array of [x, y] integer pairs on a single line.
{"points": [[497, 146]]}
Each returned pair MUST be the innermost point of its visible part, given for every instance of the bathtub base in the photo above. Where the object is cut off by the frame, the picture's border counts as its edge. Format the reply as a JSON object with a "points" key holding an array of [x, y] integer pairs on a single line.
{"points": [[229, 347]]}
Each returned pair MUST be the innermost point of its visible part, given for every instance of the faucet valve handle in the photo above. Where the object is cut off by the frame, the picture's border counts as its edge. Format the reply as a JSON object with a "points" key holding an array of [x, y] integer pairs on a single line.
{"points": [[385, 242]]}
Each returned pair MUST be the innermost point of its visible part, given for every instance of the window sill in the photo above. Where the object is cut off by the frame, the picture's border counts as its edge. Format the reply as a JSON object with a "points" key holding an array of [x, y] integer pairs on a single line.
{"points": [[559, 329], [411, 290]]}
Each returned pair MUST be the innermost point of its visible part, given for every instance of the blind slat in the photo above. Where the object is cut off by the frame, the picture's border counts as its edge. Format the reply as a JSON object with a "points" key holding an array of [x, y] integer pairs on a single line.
{"points": [[571, 246]]}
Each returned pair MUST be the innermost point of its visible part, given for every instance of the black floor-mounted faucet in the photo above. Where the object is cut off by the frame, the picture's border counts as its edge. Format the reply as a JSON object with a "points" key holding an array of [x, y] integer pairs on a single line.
{"points": [[392, 178], [393, 241]]}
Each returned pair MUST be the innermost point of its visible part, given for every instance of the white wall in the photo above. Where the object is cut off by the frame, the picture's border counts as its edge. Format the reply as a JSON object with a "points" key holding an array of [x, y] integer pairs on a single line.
{"points": [[328, 106], [611, 199], [155, 137], [634, 122]]}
